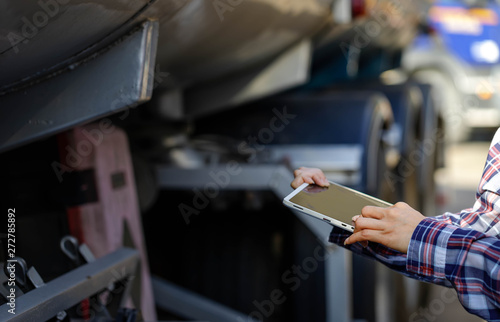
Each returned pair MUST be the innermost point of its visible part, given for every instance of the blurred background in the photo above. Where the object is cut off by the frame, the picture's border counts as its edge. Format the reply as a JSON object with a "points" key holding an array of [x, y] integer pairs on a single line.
{"points": [[146, 147]]}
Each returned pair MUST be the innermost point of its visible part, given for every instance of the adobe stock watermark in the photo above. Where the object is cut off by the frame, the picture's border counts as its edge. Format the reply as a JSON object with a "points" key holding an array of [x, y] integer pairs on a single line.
{"points": [[32, 25], [222, 177], [256, 143], [364, 35], [435, 308], [223, 6], [414, 160], [454, 113], [94, 136], [84, 148], [292, 278], [424, 149]]}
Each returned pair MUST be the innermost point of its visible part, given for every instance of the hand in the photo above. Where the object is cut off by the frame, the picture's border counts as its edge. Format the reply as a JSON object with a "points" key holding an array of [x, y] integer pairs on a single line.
{"points": [[392, 226], [309, 175]]}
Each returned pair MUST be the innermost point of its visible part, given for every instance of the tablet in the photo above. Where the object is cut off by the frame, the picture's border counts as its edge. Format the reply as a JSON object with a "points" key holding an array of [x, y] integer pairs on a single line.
{"points": [[335, 204]]}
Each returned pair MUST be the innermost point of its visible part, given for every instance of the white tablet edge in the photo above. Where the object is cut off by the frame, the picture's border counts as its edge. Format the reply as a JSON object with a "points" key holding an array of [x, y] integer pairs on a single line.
{"points": [[317, 215]]}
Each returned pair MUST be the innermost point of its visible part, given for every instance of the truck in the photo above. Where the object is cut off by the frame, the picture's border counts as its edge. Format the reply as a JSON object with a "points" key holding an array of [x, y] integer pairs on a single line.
{"points": [[147, 145], [458, 52]]}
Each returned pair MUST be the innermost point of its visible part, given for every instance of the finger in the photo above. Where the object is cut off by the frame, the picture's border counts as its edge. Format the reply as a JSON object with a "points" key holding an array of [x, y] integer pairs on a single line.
{"points": [[308, 179], [373, 212], [304, 170], [297, 182], [309, 175], [361, 236], [376, 236], [401, 205], [320, 180], [298, 172], [369, 223]]}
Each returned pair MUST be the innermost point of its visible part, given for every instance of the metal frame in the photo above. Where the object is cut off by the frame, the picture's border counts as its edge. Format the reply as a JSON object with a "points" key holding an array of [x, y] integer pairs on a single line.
{"points": [[190, 305], [118, 77], [69, 289], [265, 177]]}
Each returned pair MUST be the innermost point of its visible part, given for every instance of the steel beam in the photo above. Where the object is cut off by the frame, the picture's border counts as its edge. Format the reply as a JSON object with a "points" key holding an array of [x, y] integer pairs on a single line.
{"points": [[118, 77], [185, 303], [69, 289]]}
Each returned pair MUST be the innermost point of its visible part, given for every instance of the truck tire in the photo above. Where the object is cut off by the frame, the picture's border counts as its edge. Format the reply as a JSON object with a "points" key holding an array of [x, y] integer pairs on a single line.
{"points": [[333, 118], [448, 103]]}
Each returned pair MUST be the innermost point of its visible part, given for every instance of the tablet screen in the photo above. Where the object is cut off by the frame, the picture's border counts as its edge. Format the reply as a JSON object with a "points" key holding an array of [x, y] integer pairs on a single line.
{"points": [[335, 201]]}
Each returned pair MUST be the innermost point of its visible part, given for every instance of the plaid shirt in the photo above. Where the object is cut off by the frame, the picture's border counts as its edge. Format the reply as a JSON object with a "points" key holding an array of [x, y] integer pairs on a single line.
{"points": [[461, 250]]}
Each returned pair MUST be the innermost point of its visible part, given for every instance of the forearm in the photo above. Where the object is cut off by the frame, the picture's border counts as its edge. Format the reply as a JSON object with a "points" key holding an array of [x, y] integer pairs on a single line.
{"points": [[391, 258], [468, 259]]}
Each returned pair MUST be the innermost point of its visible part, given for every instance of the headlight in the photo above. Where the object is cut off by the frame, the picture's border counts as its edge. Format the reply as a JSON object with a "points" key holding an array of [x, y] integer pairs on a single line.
{"points": [[486, 51]]}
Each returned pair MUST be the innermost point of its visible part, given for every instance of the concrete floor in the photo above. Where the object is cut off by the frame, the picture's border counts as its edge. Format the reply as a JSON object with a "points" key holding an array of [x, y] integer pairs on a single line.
{"points": [[457, 184]]}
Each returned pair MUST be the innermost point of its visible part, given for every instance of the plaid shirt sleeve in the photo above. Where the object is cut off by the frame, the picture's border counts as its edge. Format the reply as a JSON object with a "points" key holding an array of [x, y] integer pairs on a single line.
{"points": [[469, 259], [387, 256], [484, 215], [460, 250]]}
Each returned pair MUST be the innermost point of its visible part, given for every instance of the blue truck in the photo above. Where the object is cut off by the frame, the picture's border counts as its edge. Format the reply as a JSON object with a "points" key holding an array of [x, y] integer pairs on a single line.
{"points": [[458, 53]]}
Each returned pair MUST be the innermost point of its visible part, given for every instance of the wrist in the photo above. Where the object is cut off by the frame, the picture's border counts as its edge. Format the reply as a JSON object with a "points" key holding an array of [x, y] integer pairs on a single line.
{"points": [[426, 254]]}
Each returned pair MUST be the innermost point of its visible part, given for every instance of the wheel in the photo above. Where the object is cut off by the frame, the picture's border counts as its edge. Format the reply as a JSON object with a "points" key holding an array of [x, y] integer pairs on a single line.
{"points": [[448, 103]]}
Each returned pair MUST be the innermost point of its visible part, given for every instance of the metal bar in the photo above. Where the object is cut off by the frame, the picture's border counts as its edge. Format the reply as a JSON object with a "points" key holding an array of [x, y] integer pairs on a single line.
{"points": [[243, 177], [334, 157], [338, 284], [338, 268], [69, 289], [190, 305], [239, 176], [118, 77]]}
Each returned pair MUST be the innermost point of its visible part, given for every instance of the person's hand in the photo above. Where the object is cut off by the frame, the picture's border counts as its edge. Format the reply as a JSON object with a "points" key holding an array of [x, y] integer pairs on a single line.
{"points": [[309, 175], [392, 226]]}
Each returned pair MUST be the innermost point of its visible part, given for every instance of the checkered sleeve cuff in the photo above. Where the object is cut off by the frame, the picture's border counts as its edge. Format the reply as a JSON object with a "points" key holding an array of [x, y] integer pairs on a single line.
{"points": [[427, 248]]}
